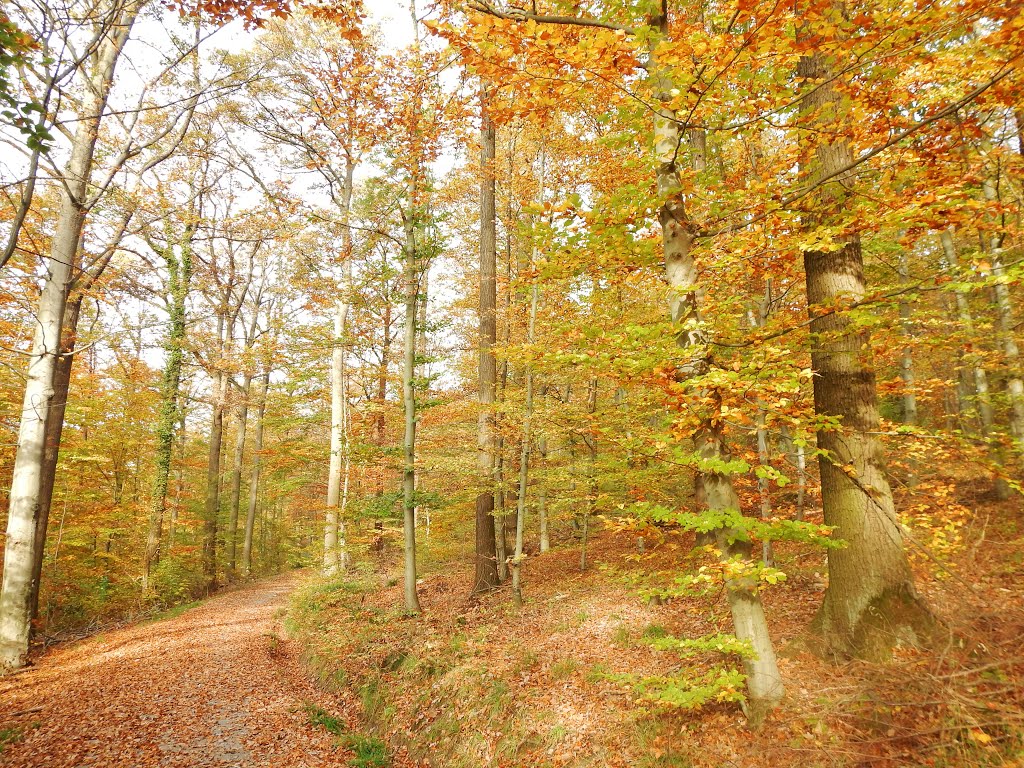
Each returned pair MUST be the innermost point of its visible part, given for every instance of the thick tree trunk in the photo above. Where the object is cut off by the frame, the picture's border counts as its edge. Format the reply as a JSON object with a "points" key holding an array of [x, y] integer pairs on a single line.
{"points": [[590, 440], [24, 505], [486, 576], [54, 432], [871, 603], [254, 477]]}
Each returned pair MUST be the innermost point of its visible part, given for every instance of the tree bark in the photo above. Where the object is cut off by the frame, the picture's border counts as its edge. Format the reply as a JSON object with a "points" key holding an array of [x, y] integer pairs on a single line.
{"points": [[54, 432], [1007, 326], [211, 509], [412, 604], [870, 604], [235, 500], [335, 558], [25, 506], [486, 575], [254, 477], [764, 682], [180, 277]]}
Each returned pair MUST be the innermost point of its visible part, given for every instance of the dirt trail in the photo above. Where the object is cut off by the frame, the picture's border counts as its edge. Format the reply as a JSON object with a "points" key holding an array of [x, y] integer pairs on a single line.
{"points": [[211, 687]]}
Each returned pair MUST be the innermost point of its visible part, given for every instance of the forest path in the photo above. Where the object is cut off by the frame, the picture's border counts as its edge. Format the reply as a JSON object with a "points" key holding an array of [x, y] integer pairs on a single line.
{"points": [[213, 687]]}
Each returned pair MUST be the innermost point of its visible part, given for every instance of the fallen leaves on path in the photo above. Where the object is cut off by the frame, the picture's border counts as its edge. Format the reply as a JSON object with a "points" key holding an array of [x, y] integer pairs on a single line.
{"points": [[215, 686]]}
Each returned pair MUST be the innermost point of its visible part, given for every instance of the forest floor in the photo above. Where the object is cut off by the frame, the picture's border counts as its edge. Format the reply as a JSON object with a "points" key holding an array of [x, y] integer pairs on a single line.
{"points": [[476, 682], [301, 672], [215, 686]]}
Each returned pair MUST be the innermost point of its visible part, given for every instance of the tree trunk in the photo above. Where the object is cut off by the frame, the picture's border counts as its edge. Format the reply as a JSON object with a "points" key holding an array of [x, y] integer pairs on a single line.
{"points": [[977, 376], [331, 562], [335, 558], [524, 459], [254, 477], [412, 604], [236, 478], [54, 431], [907, 358], [1007, 327], [764, 683], [486, 576], [26, 483], [421, 372], [180, 276], [212, 506], [871, 603], [542, 495]]}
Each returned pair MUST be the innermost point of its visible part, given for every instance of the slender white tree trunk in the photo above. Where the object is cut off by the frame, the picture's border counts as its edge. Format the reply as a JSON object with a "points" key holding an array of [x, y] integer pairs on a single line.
{"points": [[542, 495], [764, 682], [334, 480], [19, 549], [524, 458], [335, 553]]}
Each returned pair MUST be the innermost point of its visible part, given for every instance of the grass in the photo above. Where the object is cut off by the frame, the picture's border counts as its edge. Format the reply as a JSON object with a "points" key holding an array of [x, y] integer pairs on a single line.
{"points": [[563, 669], [9, 736], [370, 752], [321, 717]]}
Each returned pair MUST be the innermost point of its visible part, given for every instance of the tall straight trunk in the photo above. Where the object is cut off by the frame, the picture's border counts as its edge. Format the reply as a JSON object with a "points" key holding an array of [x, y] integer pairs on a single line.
{"points": [[331, 561], [179, 485], [524, 456], [764, 683], [871, 602], [235, 499], [907, 353], [907, 358], [591, 442], [542, 494], [758, 317], [211, 509], [412, 603], [500, 540], [335, 558], [978, 375], [382, 393], [421, 371], [54, 431], [486, 575], [254, 476], [179, 267], [26, 482], [1007, 328]]}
